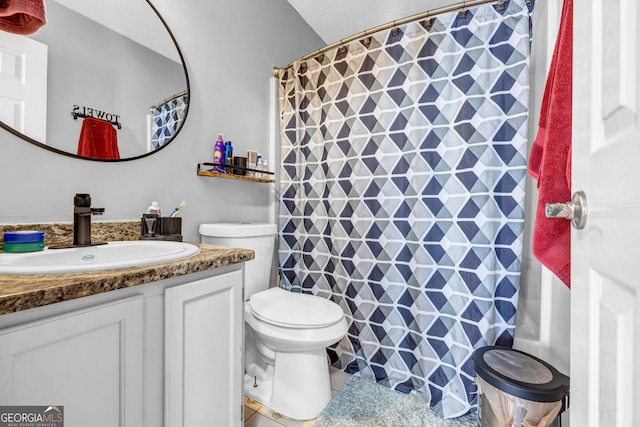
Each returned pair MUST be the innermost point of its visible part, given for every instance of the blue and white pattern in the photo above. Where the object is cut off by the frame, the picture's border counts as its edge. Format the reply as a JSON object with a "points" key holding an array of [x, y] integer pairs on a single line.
{"points": [[402, 193], [167, 119]]}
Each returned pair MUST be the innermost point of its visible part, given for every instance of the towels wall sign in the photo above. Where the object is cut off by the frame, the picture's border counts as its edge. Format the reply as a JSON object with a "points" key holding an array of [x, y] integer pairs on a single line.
{"points": [[82, 111]]}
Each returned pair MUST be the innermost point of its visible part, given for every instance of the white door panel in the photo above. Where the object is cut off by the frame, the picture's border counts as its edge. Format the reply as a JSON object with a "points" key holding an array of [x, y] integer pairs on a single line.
{"points": [[203, 352], [90, 361], [23, 85], [605, 307]]}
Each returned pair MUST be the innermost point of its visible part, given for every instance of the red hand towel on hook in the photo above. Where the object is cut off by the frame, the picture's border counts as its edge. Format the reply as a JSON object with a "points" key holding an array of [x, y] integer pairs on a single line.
{"points": [[550, 159], [22, 16], [98, 139]]}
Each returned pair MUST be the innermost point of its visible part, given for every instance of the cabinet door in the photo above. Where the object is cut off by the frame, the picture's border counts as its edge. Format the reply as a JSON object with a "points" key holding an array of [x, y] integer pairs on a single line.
{"points": [[89, 361], [203, 351]]}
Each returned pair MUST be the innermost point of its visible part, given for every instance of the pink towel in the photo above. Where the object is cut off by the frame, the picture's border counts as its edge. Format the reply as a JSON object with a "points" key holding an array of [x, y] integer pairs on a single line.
{"points": [[22, 16], [98, 139], [550, 159]]}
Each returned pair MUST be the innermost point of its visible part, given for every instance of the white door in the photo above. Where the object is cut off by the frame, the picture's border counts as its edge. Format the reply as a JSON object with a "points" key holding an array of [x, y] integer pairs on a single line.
{"points": [[23, 85], [605, 294]]}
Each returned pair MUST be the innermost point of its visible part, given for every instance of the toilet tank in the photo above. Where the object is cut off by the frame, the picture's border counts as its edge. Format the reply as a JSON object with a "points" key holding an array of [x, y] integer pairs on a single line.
{"points": [[260, 238]]}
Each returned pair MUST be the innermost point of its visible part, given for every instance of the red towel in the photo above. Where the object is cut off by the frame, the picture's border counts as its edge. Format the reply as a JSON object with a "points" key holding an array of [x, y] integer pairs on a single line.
{"points": [[22, 16], [98, 139], [550, 159]]}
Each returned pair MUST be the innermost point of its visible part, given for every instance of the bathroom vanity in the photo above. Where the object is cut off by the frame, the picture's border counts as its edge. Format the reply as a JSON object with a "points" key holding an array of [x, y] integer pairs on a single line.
{"points": [[142, 346]]}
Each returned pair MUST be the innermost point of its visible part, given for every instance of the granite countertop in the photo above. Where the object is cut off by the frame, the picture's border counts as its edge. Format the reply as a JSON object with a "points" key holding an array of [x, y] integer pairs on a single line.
{"points": [[22, 292]]}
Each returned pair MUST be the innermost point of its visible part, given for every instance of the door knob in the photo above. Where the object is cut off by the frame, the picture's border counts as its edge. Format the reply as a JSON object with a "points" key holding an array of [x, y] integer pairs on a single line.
{"points": [[575, 210]]}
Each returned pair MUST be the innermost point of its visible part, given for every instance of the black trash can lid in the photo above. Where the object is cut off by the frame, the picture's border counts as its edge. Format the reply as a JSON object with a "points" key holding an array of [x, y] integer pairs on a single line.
{"points": [[520, 374]]}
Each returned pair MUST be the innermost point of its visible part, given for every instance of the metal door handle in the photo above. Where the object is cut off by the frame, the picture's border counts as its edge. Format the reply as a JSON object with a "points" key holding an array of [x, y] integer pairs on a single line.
{"points": [[575, 210]]}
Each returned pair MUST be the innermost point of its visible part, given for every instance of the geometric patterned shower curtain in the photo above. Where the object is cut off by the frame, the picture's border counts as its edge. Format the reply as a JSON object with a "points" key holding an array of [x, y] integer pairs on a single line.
{"points": [[402, 190], [167, 119]]}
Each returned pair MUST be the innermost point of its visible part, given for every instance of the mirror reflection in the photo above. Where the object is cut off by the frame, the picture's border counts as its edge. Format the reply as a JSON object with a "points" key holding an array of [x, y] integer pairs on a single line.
{"points": [[100, 80]]}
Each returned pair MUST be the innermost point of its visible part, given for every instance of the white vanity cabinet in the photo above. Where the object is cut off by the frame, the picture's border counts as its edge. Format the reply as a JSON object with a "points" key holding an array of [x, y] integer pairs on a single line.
{"points": [[203, 358], [89, 361], [167, 353]]}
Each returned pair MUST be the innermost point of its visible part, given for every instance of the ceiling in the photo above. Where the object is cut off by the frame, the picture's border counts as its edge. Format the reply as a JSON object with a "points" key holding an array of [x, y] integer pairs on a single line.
{"points": [[133, 19], [334, 20]]}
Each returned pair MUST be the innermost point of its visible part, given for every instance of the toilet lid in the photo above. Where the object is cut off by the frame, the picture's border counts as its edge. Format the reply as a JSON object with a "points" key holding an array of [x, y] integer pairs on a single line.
{"points": [[294, 310]]}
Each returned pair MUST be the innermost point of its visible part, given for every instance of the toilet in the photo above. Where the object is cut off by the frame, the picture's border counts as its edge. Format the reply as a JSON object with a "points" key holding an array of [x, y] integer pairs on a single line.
{"points": [[286, 333]]}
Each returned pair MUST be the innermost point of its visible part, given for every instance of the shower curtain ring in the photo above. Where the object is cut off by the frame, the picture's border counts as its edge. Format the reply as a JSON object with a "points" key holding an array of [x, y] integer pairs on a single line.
{"points": [[394, 29], [463, 12]]}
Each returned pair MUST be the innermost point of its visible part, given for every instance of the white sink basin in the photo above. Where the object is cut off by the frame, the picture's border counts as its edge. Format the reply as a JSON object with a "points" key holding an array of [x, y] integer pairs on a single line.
{"points": [[94, 258]]}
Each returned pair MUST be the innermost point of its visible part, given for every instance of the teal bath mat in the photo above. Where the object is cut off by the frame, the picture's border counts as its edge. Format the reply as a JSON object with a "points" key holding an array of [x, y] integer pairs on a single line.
{"points": [[362, 403]]}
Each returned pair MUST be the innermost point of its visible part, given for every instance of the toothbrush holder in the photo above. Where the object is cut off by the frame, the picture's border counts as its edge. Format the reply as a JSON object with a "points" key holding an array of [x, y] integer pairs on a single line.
{"points": [[154, 227], [171, 226]]}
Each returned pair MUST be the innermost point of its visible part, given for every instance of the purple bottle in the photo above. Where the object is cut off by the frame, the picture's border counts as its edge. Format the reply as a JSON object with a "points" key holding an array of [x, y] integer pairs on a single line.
{"points": [[218, 154]]}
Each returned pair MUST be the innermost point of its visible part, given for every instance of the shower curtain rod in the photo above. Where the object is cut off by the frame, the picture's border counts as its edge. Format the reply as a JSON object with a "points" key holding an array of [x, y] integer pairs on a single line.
{"points": [[462, 5], [171, 98]]}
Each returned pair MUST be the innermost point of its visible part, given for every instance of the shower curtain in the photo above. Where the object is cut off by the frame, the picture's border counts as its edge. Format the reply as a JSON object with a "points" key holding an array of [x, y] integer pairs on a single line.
{"points": [[166, 119], [402, 191]]}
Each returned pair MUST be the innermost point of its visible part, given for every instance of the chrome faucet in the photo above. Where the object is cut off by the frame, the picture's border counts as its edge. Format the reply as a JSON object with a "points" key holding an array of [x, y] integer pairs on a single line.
{"points": [[82, 212]]}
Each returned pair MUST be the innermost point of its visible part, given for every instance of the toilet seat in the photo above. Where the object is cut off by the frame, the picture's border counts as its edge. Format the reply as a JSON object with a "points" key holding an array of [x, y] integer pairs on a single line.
{"points": [[294, 310]]}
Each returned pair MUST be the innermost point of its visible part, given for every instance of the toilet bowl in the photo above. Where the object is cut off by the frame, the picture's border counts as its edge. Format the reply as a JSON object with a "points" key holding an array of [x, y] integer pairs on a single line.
{"points": [[286, 333], [286, 363]]}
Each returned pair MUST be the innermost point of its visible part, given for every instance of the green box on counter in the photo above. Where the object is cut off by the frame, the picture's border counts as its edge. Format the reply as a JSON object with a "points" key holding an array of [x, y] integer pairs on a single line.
{"points": [[22, 247]]}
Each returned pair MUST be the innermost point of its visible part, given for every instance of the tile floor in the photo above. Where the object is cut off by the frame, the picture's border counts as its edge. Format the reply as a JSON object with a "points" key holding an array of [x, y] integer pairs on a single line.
{"points": [[256, 415]]}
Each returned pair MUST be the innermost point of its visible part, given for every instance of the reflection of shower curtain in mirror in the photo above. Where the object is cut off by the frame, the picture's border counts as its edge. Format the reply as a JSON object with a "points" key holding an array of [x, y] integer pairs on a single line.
{"points": [[402, 192], [166, 119]]}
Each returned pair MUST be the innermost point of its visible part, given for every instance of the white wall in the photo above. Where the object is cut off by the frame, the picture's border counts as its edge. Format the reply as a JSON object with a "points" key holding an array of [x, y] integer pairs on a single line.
{"points": [[230, 48]]}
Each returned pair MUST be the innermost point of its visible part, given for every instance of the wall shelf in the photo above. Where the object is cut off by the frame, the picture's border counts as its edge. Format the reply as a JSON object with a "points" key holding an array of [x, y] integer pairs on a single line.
{"points": [[211, 173]]}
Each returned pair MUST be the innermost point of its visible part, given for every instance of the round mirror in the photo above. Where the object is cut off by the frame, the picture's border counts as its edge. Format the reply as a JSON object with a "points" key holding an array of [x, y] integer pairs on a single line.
{"points": [[102, 80]]}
